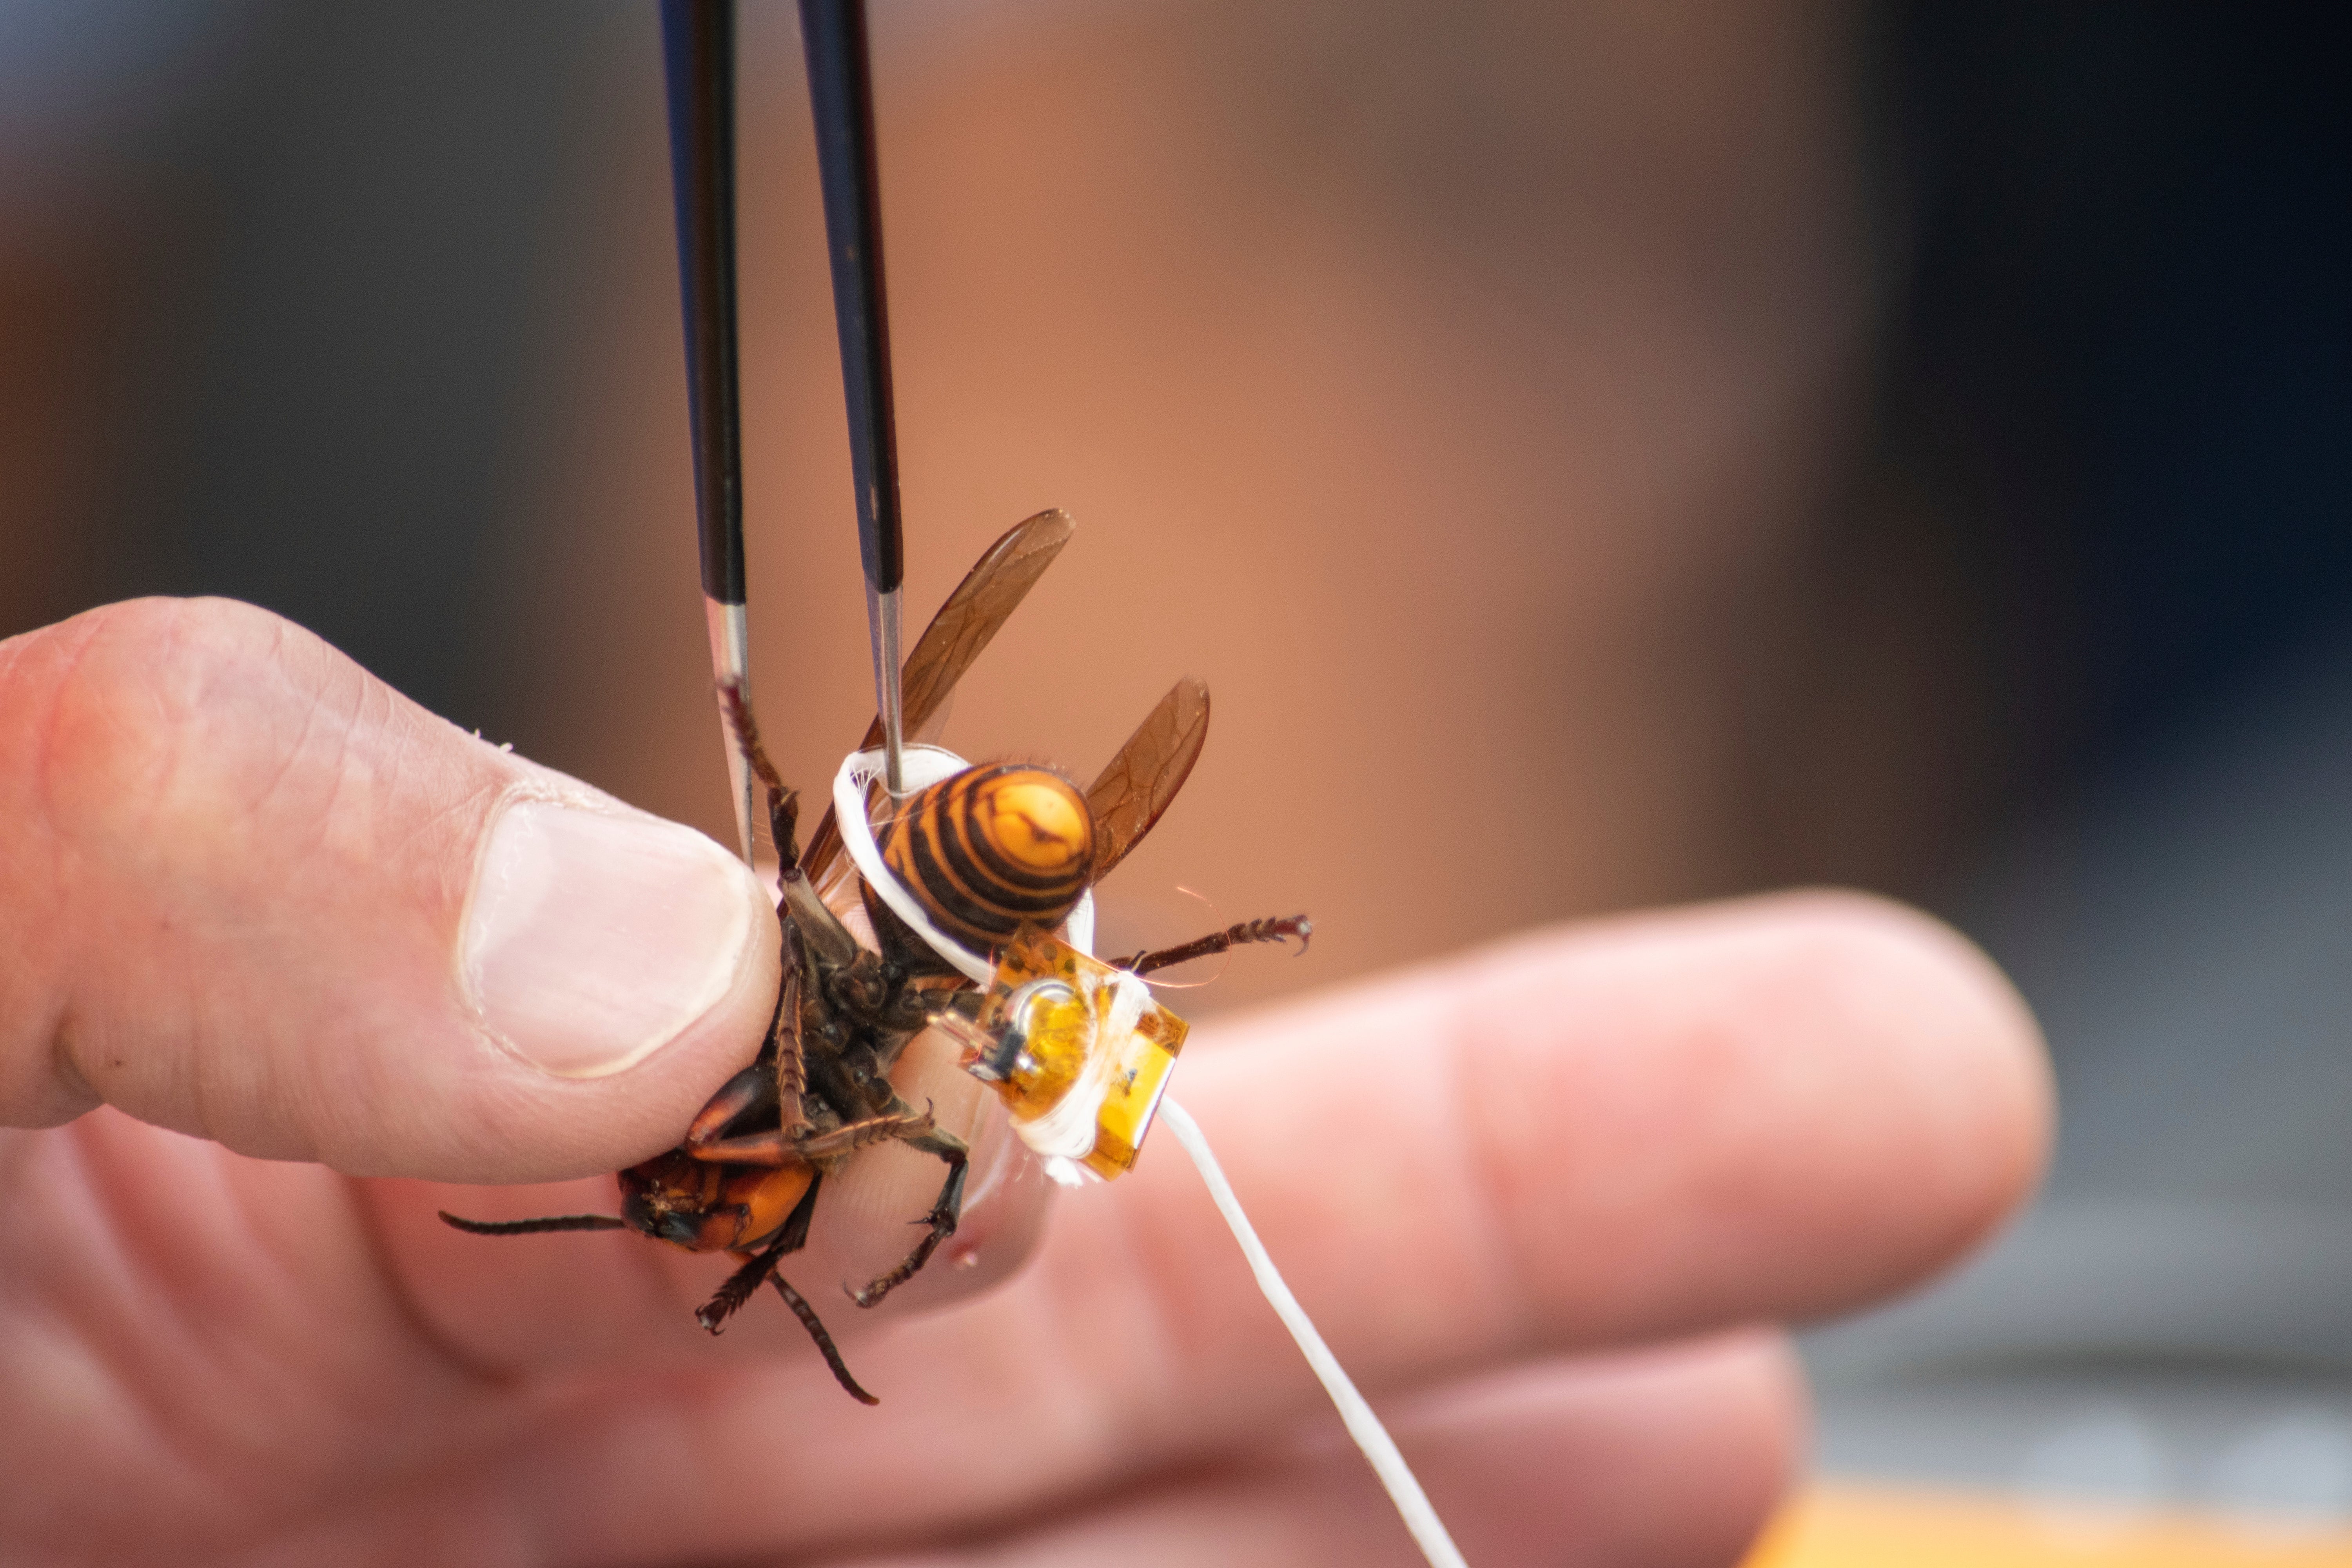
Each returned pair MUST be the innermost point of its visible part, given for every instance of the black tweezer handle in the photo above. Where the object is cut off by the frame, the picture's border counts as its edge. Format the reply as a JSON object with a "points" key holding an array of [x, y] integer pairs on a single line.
{"points": [[698, 45], [841, 93]]}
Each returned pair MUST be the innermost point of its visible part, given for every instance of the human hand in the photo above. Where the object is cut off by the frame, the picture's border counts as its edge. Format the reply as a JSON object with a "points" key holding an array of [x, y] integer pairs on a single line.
{"points": [[1536, 1198]]}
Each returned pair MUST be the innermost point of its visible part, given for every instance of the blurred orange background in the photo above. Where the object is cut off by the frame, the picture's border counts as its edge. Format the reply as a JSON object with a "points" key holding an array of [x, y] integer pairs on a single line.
{"points": [[1597, 455]]}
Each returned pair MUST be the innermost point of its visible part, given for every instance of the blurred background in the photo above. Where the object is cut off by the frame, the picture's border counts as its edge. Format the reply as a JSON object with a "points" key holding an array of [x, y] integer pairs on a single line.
{"points": [[1599, 456]]}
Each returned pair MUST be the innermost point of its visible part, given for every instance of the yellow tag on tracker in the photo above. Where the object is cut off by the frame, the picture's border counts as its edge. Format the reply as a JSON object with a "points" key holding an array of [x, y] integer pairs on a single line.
{"points": [[1079, 1052]]}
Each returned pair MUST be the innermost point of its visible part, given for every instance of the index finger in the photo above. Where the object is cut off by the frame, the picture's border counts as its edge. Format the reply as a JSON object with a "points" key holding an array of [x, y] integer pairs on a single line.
{"points": [[1584, 1138]]}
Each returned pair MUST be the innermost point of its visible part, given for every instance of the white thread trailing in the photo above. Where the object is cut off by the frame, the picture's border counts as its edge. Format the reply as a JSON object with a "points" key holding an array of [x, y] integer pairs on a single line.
{"points": [[1413, 1504]]}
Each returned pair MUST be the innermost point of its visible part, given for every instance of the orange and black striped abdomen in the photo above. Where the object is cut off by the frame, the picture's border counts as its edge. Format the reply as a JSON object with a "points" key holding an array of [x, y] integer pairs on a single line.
{"points": [[991, 847]]}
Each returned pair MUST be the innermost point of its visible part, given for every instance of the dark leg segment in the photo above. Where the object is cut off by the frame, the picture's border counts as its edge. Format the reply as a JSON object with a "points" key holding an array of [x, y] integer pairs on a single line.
{"points": [[793, 1235], [942, 1218], [533, 1227], [901, 1121], [783, 803], [759, 1269], [1281, 927], [772, 1147], [807, 1315], [754, 1089], [774, 1086], [713, 1314], [790, 1065]]}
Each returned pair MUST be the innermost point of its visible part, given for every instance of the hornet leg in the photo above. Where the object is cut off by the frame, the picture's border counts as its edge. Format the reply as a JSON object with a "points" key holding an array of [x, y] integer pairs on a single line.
{"points": [[944, 1213], [1281, 927]]}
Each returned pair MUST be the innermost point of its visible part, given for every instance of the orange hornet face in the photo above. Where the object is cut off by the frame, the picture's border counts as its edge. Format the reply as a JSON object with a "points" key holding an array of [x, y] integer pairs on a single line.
{"points": [[704, 1206]]}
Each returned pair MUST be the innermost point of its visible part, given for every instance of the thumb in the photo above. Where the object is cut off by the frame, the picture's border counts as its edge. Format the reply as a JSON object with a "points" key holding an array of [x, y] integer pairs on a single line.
{"points": [[247, 892]]}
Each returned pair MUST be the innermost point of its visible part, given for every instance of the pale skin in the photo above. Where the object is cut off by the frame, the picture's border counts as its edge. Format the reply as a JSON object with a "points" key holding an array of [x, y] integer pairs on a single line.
{"points": [[1545, 1198]]}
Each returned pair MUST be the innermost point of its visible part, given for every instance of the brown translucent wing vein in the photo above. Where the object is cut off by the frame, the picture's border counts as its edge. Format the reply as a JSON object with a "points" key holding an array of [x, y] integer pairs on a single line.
{"points": [[1142, 781], [965, 625]]}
